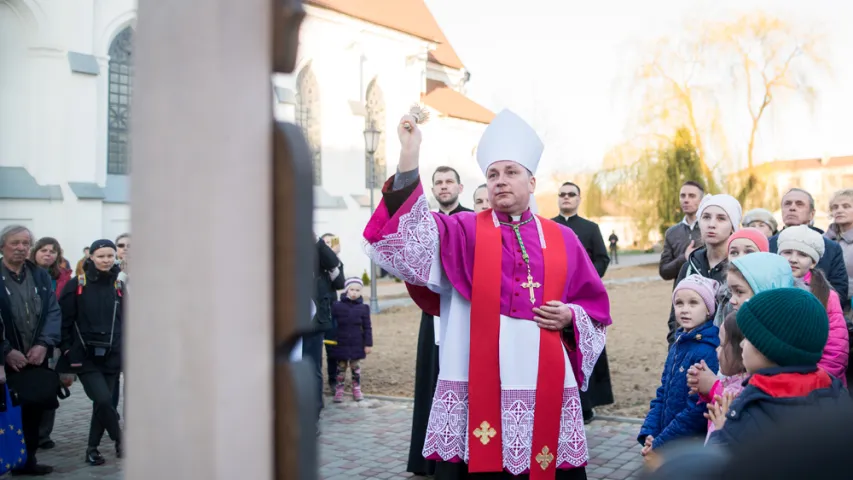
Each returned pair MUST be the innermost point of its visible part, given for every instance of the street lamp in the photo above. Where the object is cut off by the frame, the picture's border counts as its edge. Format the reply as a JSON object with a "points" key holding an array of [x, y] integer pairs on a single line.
{"points": [[371, 143]]}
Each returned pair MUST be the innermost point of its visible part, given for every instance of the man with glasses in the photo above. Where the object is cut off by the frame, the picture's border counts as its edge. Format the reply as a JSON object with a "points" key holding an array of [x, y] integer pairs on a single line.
{"points": [[600, 390]]}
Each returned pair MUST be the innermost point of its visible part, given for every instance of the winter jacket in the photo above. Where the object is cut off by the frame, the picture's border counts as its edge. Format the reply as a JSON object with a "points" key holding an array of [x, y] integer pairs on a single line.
{"points": [[726, 384], [674, 413], [59, 282], [832, 264], [354, 331], [325, 287], [698, 264], [837, 350], [92, 318], [845, 241], [675, 242], [775, 394], [47, 332]]}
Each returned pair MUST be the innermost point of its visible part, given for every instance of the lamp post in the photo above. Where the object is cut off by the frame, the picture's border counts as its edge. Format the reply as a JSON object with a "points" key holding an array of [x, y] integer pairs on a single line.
{"points": [[371, 143]]}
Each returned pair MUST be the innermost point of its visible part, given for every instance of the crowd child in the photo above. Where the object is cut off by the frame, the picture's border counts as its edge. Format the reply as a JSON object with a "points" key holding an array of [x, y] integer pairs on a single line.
{"points": [[354, 337], [762, 220], [743, 242], [803, 247], [675, 413], [785, 330], [719, 217], [702, 380]]}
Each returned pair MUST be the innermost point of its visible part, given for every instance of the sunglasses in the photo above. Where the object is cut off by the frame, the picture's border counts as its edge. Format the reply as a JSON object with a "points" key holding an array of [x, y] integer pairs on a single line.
{"points": [[567, 194], [122, 245]]}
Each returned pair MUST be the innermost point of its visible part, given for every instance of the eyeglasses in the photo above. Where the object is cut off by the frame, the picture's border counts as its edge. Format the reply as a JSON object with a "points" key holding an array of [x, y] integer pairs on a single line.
{"points": [[122, 245], [567, 194]]}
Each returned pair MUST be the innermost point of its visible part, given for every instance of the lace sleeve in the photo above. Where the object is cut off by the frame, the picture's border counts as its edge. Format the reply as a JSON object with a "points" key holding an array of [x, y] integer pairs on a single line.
{"points": [[408, 251]]}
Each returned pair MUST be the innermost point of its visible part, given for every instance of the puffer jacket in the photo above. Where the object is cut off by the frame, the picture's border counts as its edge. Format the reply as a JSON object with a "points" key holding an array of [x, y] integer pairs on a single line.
{"points": [[775, 394], [837, 350], [674, 413]]}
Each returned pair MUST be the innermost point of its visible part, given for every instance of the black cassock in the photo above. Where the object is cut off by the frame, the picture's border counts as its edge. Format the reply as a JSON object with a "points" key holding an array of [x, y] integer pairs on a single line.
{"points": [[600, 391], [426, 377]]}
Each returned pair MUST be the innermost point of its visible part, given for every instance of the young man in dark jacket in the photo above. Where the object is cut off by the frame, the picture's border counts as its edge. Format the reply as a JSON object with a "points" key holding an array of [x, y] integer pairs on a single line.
{"points": [[328, 278], [31, 321], [785, 331]]}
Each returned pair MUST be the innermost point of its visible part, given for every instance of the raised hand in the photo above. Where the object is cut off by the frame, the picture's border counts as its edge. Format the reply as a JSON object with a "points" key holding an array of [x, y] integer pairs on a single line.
{"points": [[410, 143]]}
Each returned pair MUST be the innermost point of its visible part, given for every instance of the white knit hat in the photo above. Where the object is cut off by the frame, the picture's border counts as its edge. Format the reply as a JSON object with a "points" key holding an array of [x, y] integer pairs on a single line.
{"points": [[803, 239], [353, 281], [728, 203]]}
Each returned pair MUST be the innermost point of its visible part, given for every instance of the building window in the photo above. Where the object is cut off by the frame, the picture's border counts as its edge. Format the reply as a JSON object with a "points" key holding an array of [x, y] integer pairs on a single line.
{"points": [[375, 106], [308, 117], [121, 91]]}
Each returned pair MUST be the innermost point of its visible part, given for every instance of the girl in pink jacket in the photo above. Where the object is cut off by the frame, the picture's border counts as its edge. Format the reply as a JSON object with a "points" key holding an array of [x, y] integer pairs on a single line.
{"points": [[803, 247]]}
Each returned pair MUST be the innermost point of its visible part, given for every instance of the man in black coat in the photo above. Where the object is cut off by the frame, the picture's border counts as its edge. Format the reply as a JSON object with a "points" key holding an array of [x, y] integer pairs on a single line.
{"points": [[328, 278], [32, 323], [446, 187], [600, 391], [798, 209]]}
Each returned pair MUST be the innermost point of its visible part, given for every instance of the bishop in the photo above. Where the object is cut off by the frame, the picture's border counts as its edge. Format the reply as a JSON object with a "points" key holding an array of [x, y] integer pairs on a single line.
{"points": [[523, 312]]}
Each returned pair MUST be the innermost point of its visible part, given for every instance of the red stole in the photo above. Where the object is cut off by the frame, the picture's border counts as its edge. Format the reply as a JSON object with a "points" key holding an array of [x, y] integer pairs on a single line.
{"points": [[484, 381]]}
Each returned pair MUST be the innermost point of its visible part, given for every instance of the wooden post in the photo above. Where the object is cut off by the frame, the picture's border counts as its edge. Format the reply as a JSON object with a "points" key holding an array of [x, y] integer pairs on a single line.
{"points": [[199, 346]]}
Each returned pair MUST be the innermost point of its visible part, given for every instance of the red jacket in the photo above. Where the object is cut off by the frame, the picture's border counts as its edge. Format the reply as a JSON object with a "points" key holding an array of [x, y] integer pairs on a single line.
{"points": [[64, 276]]}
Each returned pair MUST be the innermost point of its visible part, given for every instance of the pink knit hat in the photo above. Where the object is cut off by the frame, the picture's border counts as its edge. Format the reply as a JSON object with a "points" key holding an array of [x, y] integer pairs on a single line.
{"points": [[752, 234], [705, 287]]}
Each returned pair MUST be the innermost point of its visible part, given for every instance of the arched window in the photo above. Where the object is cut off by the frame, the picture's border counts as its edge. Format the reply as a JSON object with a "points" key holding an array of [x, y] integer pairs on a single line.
{"points": [[376, 112], [308, 117], [121, 91]]}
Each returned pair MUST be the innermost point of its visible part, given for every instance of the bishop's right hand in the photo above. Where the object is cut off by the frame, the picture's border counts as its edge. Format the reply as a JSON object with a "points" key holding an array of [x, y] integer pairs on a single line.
{"points": [[410, 143]]}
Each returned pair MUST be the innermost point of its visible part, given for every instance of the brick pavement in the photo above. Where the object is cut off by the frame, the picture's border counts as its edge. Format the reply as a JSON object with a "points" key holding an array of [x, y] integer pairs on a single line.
{"points": [[70, 433], [370, 440], [366, 440]]}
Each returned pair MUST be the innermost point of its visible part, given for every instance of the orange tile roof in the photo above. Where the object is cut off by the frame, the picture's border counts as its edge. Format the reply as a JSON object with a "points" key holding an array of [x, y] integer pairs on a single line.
{"points": [[453, 104], [407, 16]]}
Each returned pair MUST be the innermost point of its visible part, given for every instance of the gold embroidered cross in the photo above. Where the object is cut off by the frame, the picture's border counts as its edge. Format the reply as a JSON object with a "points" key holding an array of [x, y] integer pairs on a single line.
{"points": [[544, 458], [485, 433], [530, 285]]}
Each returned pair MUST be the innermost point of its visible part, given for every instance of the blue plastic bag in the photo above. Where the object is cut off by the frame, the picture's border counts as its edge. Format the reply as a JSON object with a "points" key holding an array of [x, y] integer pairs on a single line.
{"points": [[13, 449]]}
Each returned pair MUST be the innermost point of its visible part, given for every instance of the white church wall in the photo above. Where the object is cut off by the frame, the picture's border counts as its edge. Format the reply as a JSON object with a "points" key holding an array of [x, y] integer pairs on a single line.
{"points": [[116, 220], [16, 141], [53, 122]]}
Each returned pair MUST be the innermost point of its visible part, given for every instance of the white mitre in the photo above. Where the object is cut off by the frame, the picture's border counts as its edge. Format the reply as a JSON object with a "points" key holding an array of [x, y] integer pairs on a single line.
{"points": [[509, 137]]}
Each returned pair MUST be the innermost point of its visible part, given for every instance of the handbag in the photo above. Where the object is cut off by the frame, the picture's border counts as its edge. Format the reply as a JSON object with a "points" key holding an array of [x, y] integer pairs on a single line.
{"points": [[13, 450], [37, 386]]}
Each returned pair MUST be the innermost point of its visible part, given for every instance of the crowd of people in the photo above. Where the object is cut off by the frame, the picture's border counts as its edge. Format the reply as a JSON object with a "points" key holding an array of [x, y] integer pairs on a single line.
{"points": [[760, 320], [62, 324], [758, 326]]}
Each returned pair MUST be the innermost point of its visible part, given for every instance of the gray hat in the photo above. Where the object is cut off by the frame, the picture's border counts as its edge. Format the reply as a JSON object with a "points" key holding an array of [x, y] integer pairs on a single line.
{"points": [[760, 215]]}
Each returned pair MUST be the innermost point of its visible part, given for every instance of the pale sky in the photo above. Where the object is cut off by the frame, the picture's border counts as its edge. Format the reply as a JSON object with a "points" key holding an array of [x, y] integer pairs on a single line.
{"points": [[562, 66]]}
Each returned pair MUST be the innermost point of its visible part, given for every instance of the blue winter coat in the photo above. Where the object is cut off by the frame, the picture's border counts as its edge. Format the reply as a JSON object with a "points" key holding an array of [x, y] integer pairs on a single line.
{"points": [[352, 320], [674, 413], [777, 394]]}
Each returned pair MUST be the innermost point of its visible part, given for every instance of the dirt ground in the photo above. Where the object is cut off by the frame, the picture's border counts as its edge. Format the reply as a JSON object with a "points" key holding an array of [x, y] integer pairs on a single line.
{"points": [[636, 344]]}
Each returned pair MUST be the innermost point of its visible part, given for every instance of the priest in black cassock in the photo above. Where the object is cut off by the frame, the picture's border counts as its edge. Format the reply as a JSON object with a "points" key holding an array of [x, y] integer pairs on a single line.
{"points": [[446, 187], [600, 390]]}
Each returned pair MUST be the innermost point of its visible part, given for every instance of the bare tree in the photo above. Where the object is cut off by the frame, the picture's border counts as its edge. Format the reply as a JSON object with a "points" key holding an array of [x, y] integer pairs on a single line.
{"points": [[769, 56]]}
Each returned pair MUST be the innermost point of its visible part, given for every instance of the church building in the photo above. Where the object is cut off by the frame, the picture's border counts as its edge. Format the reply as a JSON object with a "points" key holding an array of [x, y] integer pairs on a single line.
{"points": [[66, 83]]}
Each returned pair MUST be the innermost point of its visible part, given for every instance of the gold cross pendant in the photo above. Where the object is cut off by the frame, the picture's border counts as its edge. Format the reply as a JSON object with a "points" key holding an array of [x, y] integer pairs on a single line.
{"points": [[530, 285]]}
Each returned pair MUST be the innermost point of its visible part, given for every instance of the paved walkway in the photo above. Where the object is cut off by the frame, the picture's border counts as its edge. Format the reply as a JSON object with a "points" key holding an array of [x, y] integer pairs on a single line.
{"points": [[370, 440], [70, 433]]}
